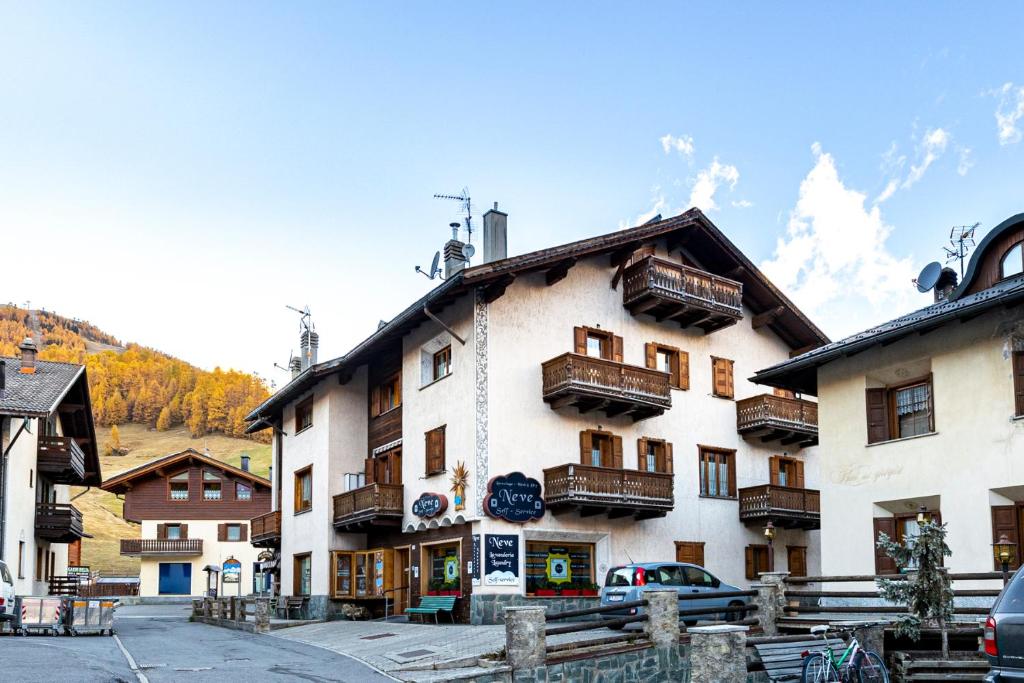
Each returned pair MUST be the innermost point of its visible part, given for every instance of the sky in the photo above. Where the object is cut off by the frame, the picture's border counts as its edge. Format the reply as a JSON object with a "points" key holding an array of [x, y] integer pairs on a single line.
{"points": [[178, 173]]}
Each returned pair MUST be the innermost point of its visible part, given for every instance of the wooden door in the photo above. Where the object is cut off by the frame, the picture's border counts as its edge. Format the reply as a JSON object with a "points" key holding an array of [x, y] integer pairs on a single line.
{"points": [[402, 578]]}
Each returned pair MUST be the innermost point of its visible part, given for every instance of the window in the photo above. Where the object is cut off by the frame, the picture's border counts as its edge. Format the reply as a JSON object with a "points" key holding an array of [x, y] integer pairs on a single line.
{"points": [[690, 551], [211, 486], [786, 472], [717, 472], [302, 566], [443, 567], [304, 414], [1018, 383], [231, 532], [568, 566], [721, 377], [900, 411], [1006, 521], [758, 560], [1012, 262], [654, 455], [796, 560], [5, 575], [597, 343], [304, 489], [385, 468], [386, 396], [442, 362], [355, 480], [435, 451], [899, 528], [178, 486], [671, 360], [363, 573], [699, 577], [243, 491], [39, 563], [600, 449], [172, 531]]}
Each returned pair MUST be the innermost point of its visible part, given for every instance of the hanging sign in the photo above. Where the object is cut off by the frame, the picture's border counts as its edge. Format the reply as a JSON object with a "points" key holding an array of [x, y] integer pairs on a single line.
{"points": [[80, 572], [514, 498], [501, 559], [231, 571], [430, 505], [475, 569]]}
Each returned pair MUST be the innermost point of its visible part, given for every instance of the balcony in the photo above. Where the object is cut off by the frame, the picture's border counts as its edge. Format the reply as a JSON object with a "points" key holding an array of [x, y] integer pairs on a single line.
{"points": [[265, 530], [785, 506], [691, 297], [597, 384], [605, 490], [372, 505], [58, 522], [60, 459], [790, 421], [145, 547]]}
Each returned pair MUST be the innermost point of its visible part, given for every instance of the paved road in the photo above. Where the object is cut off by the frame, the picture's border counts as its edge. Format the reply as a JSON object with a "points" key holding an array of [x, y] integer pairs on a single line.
{"points": [[166, 647]]}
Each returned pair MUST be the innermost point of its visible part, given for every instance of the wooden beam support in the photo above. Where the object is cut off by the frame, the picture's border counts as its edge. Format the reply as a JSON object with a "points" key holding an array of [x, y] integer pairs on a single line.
{"points": [[678, 239], [774, 436], [734, 273], [802, 350], [70, 407], [675, 311], [558, 272], [767, 317], [622, 254], [496, 289], [644, 306], [792, 439]]}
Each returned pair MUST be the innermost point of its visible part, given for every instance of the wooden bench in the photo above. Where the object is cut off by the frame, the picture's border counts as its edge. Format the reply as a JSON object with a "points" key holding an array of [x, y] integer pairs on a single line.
{"points": [[782, 657], [432, 604], [286, 604]]}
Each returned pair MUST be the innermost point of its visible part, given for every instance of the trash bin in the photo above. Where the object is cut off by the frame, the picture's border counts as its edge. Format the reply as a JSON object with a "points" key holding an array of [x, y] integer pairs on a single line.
{"points": [[91, 616], [35, 613]]}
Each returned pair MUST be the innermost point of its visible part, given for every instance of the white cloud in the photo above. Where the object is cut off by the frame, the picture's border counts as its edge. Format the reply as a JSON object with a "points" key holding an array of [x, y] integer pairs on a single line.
{"points": [[708, 181], [966, 162], [660, 205], [1009, 112], [682, 144], [834, 259], [932, 146], [742, 204], [890, 190]]}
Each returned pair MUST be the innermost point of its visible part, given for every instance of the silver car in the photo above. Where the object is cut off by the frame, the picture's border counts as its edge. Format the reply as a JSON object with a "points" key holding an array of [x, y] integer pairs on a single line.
{"points": [[627, 583]]}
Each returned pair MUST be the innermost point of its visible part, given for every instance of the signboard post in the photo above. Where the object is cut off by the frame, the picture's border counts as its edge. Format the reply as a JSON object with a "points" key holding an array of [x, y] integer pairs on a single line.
{"points": [[231, 572], [514, 498], [501, 559]]}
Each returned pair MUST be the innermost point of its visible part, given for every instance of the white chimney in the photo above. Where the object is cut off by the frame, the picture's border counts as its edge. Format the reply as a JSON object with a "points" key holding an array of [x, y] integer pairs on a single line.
{"points": [[309, 342], [495, 235]]}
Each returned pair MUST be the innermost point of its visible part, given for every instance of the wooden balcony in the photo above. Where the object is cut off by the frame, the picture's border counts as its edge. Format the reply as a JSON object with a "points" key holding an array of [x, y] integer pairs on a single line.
{"points": [[790, 421], [265, 530], [60, 459], [58, 522], [605, 490], [787, 507], [691, 297], [372, 505], [613, 388], [170, 546]]}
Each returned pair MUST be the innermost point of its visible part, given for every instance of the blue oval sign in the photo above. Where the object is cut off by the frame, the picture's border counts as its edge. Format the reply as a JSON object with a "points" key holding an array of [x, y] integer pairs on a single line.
{"points": [[430, 505], [514, 498]]}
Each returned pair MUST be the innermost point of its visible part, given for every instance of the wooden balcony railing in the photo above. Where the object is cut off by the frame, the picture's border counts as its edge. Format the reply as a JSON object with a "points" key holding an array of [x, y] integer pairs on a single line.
{"points": [[777, 418], [597, 384], [617, 492], [371, 505], [60, 459], [168, 546], [672, 291], [58, 522], [785, 506], [265, 530]]}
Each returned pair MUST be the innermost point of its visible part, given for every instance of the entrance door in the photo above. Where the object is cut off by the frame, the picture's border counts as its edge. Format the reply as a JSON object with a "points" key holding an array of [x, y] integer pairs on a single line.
{"points": [[175, 578], [402, 578]]}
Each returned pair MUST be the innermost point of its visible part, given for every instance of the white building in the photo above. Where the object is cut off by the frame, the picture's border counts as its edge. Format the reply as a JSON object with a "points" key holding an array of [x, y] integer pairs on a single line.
{"points": [[608, 371]]}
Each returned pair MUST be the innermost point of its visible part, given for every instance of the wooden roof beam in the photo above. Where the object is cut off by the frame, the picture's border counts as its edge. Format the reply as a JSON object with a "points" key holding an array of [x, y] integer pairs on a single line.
{"points": [[678, 239], [767, 317], [558, 272], [496, 289], [622, 254]]}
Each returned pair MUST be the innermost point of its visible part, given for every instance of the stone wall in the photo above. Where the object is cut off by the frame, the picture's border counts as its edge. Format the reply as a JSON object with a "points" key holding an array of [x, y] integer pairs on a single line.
{"points": [[486, 608]]}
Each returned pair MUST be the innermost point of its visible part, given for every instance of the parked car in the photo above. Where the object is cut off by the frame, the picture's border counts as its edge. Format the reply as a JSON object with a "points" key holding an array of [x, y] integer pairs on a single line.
{"points": [[1004, 634], [627, 583], [6, 593]]}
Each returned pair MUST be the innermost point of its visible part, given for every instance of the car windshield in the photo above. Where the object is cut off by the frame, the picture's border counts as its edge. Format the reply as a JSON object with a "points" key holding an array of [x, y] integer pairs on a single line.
{"points": [[1012, 601], [619, 576], [5, 575]]}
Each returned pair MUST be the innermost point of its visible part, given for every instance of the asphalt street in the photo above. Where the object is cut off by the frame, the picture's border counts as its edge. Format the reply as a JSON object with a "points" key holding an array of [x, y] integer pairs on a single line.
{"points": [[159, 644]]}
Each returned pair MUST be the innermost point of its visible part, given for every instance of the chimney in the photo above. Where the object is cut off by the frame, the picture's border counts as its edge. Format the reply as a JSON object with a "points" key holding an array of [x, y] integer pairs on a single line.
{"points": [[495, 235], [309, 342], [945, 285], [454, 258], [295, 365], [245, 462], [28, 356]]}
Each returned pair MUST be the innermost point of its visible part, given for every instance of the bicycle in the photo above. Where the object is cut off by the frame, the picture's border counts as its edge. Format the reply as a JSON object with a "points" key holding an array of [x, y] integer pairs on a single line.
{"points": [[855, 665]]}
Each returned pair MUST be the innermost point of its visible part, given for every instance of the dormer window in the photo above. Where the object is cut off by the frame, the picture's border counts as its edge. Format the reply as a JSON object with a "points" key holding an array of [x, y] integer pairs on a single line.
{"points": [[178, 486], [1012, 262], [211, 486], [243, 491]]}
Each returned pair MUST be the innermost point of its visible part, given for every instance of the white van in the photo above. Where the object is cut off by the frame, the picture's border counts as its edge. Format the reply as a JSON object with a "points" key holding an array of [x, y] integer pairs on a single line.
{"points": [[6, 593]]}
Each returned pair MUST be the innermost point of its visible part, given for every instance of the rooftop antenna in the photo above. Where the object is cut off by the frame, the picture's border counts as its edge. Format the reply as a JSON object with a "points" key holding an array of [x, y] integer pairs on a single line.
{"points": [[305, 323], [435, 270], [962, 239], [467, 207]]}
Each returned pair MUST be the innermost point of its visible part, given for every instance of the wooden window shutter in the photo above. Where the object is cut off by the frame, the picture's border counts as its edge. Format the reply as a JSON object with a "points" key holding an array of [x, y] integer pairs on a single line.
{"points": [[184, 531], [931, 404], [684, 370], [222, 532], [617, 349], [1004, 521], [641, 454], [586, 444], [368, 469], [731, 458], [722, 377], [161, 531], [579, 335], [799, 483], [617, 452], [398, 389], [1018, 382], [651, 355], [435, 450], [797, 560], [690, 551], [243, 532], [668, 468], [773, 470], [729, 378], [375, 402], [878, 415], [883, 563], [749, 562]]}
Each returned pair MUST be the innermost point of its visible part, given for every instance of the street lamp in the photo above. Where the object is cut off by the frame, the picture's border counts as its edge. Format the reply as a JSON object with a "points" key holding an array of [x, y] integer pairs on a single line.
{"points": [[922, 515], [769, 535], [1004, 551]]}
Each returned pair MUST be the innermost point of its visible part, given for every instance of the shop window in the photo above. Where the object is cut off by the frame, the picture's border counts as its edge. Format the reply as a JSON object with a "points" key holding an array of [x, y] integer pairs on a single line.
{"points": [[301, 576], [671, 360], [654, 455], [722, 377], [362, 573], [211, 486], [442, 363], [555, 568], [717, 472], [304, 414], [386, 396], [597, 343], [758, 560], [243, 491], [435, 451], [177, 486], [443, 568], [304, 489]]}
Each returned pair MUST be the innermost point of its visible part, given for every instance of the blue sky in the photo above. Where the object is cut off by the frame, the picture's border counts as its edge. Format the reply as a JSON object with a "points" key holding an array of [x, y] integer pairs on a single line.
{"points": [[177, 172]]}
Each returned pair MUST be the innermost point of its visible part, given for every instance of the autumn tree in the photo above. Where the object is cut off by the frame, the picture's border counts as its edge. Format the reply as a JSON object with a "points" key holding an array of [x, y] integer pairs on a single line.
{"points": [[163, 423], [114, 445]]}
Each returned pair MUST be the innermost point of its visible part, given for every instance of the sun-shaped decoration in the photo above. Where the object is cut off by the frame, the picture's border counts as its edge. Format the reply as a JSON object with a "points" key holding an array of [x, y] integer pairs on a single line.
{"points": [[460, 480]]}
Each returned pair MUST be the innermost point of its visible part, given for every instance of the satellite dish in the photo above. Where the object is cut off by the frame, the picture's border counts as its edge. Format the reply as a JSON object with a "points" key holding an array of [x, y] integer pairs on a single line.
{"points": [[433, 265], [929, 276], [468, 251]]}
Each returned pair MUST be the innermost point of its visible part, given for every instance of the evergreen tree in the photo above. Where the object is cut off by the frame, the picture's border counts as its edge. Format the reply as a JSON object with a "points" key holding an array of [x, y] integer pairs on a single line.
{"points": [[163, 423], [114, 446]]}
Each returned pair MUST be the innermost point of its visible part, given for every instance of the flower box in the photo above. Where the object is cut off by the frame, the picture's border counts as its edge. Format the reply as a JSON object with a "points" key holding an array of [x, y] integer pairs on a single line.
{"points": [[433, 592], [590, 592], [570, 592], [450, 593], [545, 592]]}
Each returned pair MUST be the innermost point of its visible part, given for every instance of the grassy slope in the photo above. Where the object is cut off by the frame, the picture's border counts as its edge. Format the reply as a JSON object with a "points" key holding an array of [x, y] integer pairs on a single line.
{"points": [[102, 510]]}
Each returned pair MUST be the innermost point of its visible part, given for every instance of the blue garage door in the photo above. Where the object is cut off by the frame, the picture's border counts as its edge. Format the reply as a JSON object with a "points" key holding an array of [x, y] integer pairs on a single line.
{"points": [[175, 578]]}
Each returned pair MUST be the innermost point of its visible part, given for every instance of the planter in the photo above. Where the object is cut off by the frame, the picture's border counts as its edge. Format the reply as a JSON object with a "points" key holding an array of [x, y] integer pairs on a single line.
{"points": [[545, 593], [433, 592], [589, 593], [569, 593], [451, 593]]}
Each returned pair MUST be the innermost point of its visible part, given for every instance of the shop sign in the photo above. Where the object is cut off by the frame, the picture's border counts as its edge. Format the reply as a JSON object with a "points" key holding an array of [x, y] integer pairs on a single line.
{"points": [[430, 505], [82, 572], [231, 571], [514, 498], [501, 559], [474, 571]]}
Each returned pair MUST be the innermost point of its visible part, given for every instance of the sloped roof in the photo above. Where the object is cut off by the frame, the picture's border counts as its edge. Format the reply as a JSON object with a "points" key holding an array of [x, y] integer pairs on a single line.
{"points": [[36, 394], [123, 481]]}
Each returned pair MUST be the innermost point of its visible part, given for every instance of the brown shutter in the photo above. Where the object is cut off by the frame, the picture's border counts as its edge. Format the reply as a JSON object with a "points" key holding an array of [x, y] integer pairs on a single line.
{"points": [[749, 562], [586, 445], [878, 415], [684, 370], [222, 532], [651, 355], [668, 461], [722, 377], [1018, 382], [690, 551], [1004, 521], [368, 469], [641, 454], [799, 475], [161, 531], [797, 560], [617, 349], [398, 389], [773, 470], [729, 378], [579, 335], [617, 452], [783, 393], [731, 458], [243, 532], [883, 563], [375, 402], [441, 438], [184, 530]]}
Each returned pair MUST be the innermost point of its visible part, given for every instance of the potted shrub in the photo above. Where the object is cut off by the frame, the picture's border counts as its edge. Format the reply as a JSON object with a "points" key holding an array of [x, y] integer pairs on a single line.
{"points": [[435, 587], [592, 590], [569, 589], [451, 588], [546, 589]]}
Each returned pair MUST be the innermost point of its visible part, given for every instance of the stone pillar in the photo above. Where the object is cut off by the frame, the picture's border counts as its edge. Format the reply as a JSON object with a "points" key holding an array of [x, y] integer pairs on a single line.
{"points": [[718, 654], [525, 646], [770, 600], [215, 608], [207, 608], [662, 625], [233, 608], [262, 615]]}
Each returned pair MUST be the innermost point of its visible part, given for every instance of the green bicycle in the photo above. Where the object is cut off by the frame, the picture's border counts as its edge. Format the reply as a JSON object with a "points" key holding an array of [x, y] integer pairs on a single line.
{"points": [[855, 665]]}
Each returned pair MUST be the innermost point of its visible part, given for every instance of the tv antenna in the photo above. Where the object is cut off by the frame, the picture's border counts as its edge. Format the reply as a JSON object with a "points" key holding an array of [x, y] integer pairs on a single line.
{"points": [[467, 206], [962, 239], [305, 323]]}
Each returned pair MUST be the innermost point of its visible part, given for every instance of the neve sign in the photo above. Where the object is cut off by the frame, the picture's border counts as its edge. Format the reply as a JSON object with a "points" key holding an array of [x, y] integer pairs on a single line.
{"points": [[514, 498], [429, 505]]}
